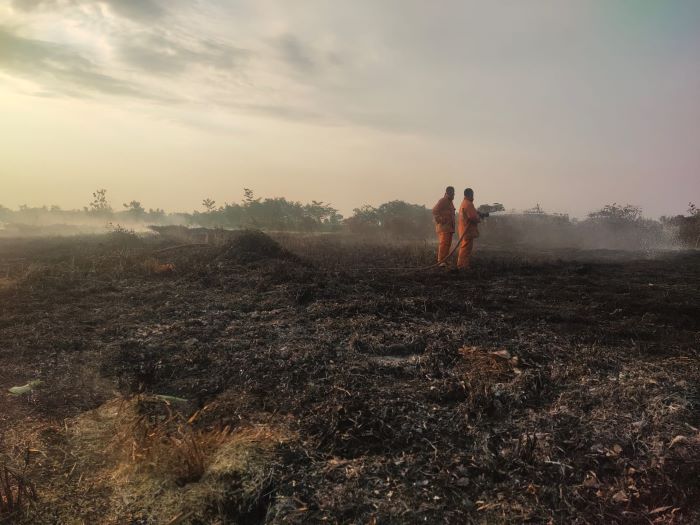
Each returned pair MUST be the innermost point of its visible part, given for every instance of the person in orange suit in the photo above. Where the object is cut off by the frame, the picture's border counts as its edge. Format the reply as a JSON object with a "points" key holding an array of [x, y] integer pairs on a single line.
{"points": [[444, 216], [468, 221]]}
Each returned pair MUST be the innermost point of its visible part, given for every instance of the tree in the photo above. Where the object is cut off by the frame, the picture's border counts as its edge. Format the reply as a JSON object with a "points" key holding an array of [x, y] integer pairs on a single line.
{"points": [[321, 213], [617, 212], [157, 214], [135, 210], [209, 205], [99, 204], [397, 218], [403, 219], [249, 197], [364, 220], [623, 226], [688, 227], [233, 215], [276, 213]]}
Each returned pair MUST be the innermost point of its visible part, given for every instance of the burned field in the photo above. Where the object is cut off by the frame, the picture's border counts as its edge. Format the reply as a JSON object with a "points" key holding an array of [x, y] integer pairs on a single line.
{"points": [[257, 382]]}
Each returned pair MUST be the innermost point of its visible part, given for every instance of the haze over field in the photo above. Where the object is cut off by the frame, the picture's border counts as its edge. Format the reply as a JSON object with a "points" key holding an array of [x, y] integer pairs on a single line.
{"points": [[568, 105]]}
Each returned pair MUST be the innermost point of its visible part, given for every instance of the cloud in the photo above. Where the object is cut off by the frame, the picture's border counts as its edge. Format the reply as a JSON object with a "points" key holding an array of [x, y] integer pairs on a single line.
{"points": [[288, 112], [436, 72], [296, 54], [141, 10], [27, 5], [60, 68], [159, 54], [138, 10]]}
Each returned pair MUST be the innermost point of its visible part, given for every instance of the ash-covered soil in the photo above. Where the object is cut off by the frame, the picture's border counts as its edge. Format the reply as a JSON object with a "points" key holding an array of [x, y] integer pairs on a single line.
{"points": [[541, 387]]}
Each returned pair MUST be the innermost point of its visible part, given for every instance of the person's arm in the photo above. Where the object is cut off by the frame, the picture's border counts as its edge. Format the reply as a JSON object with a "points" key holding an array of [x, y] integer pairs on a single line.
{"points": [[439, 212], [436, 211], [472, 215]]}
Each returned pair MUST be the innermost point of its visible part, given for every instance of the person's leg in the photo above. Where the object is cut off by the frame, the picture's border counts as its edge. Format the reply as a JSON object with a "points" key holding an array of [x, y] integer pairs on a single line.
{"points": [[465, 251], [462, 254], [445, 241]]}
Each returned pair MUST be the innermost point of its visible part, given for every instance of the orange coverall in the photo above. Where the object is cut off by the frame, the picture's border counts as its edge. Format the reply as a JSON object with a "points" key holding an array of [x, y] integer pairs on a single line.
{"points": [[468, 221], [444, 215]]}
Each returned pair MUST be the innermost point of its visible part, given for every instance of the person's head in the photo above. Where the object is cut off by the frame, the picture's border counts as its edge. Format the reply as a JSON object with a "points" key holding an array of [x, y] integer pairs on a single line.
{"points": [[469, 194], [450, 192]]}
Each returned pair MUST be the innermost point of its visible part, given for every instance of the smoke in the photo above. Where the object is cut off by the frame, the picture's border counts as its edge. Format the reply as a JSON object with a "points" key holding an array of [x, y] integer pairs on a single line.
{"points": [[41, 222], [546, 232]]}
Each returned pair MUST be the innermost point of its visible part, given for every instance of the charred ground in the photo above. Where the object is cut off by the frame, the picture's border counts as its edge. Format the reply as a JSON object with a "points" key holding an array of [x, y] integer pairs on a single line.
{"points": [[543, 386]]}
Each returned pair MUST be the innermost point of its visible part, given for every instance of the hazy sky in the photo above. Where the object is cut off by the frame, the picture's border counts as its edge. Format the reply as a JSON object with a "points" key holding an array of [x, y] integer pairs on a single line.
{"points": [[568, 104]]}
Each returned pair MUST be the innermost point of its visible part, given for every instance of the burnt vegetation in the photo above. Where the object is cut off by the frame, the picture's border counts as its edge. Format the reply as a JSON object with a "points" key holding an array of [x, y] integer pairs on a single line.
{"points": [[254, 378]]}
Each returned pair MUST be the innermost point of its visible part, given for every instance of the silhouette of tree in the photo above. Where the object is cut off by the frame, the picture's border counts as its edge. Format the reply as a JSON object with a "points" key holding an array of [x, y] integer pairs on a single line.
{"points": [[135, 210], [209, 205], [617, 212], [249, 197], [396, 218], [99, 204]]}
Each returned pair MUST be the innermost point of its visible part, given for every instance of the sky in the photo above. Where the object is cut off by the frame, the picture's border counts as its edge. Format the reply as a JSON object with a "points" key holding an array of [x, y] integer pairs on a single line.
{"points": [[570, 105]]}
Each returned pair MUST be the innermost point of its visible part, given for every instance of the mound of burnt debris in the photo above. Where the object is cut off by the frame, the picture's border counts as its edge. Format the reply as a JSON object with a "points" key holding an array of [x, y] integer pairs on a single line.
{"points": [[249, 246]]}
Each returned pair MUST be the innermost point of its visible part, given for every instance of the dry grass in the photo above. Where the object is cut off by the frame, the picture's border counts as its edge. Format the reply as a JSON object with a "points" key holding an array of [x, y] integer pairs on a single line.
{"points": [[15, 492], [495, 365], [159, 467], [166, 445], [152, 266]]}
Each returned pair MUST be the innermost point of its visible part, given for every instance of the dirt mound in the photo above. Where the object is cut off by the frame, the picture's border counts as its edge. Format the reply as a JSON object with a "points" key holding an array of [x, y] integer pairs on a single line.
{"points": [[250, 246]]}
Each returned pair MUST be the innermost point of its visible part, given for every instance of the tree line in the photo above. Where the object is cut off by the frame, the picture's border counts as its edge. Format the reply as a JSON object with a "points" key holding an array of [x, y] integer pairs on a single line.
{"points": [[396, 218]]}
